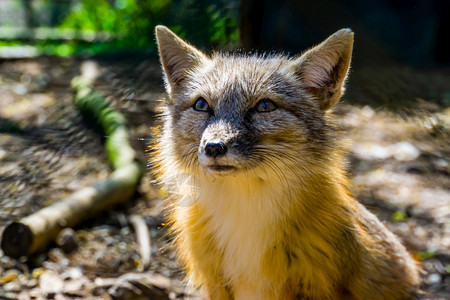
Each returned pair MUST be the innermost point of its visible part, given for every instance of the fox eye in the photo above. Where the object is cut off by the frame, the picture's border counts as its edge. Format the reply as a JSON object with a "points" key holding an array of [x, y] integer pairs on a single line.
{"points": [[201, 105], [265, 105]]}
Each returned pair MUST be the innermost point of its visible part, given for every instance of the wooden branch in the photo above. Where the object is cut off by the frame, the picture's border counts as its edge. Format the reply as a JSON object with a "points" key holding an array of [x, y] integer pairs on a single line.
{"points": [[143, 239], [34, 232], [111, 123], [138, 286]]}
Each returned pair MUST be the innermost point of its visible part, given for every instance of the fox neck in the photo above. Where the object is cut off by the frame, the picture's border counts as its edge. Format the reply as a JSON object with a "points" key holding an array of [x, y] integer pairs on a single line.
{"points": [[273, 194], [248, 215]]}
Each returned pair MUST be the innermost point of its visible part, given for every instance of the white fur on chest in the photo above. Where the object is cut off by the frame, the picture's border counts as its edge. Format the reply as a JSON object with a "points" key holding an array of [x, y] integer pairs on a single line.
{"points": [[243, 214]]}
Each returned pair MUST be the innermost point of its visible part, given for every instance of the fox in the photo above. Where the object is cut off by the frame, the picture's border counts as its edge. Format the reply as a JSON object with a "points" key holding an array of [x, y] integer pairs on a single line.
{"points": [[260, 205]]}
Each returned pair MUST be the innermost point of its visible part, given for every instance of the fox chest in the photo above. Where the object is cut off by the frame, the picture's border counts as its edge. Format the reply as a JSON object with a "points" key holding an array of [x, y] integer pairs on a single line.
{"points": [[249, 234], [271, 259], [262, 246]]}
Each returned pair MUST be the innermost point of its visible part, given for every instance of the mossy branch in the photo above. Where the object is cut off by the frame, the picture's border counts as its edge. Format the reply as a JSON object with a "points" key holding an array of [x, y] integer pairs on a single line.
{"points": [[34, 232], [111, 123]]}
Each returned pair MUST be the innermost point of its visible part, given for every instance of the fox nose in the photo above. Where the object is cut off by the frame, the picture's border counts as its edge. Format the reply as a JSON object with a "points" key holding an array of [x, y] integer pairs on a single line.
{"points": [[215, 148]]}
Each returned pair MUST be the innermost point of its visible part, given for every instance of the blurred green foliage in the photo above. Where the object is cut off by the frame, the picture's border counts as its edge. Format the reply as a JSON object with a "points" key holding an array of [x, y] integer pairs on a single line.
{"points": [[132, 22], [93, 27], [399, 216], [423, 255]]}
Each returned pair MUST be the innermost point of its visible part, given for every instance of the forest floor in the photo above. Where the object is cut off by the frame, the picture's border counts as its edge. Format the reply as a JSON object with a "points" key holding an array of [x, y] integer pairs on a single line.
{"points": [[399, 166]]}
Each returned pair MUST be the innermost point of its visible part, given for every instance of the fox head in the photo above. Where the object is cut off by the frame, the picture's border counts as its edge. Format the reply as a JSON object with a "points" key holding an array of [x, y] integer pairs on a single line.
{"points": [[231, 113]]}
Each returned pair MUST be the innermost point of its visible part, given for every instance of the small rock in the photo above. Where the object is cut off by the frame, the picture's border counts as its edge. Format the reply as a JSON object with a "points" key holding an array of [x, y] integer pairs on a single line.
{"points": [[110, 241], [20, 89], [67, 240], [72, 273], [35, 293], [74, 287], [434, 279], [9, 276], [122, 246], [50, 283], [12, 287], [29, 283], [404, 151], [2, 154], [38, 272], [50, 266], [125, 231], [10, 295], [25, 295], [370, 151], [58, 258], [59, 297], [367, 112]]}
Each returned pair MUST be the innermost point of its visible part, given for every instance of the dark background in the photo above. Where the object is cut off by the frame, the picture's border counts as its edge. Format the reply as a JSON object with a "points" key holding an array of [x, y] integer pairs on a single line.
{"points": [[413, 32]]}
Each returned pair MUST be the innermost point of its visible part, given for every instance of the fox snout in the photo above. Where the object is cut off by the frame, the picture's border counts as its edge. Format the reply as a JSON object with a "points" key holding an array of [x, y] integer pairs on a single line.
{"points": [[215, 148], [220, 146]]}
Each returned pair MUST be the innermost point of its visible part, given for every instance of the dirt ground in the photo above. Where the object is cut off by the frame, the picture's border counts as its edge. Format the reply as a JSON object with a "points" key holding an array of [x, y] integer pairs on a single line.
{"points": [[399, 166]]}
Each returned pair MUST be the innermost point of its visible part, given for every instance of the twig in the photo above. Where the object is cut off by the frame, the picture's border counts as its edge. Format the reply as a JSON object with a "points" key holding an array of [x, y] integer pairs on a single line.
{"points": [[143, 239]]}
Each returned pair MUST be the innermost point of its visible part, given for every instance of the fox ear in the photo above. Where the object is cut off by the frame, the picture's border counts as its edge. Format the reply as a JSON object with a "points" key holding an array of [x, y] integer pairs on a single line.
{"points": [[177, 56], [323, 69]]}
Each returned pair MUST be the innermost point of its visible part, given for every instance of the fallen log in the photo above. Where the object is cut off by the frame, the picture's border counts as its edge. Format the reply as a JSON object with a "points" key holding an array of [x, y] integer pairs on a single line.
{"points": [[34, 232]]}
